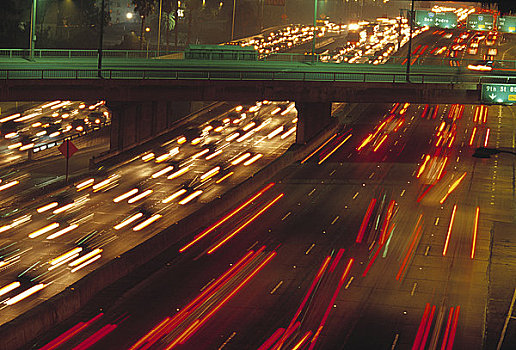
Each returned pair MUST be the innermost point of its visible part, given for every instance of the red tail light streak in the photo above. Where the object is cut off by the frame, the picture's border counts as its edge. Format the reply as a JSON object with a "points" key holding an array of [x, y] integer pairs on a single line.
{"points": [[244, 225], [451, 328], [303, 302], [193, 316], [452, 188], [226, 218], [415, 238], [446, 243], [365, 221], [332, 302], [475, 229], [424, 327], [318, 149], [63, 338], [95, 337], [335, 149]]}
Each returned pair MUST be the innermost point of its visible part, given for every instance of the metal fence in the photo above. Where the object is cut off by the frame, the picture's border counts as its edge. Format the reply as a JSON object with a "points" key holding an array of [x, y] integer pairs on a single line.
{"points": [[276, 57], [399, 76]]}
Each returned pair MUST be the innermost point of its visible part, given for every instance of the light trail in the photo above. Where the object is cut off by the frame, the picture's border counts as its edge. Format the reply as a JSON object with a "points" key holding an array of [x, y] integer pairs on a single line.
{"points": [[64, 337], [63, 231], [128, 221], [318, 149], [472, 138], [226, 218], [190, 197], [415, 237], [453, 187], [487, 137], [475, 229], [365, 221], [445, 249], [25, 294], [125, 195], [44, 230], [147, 222], [332, 302], [382, 140], [334, 150], [244, 225]]}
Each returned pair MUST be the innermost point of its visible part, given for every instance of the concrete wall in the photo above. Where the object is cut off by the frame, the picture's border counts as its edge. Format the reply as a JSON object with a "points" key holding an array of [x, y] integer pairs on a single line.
{"points": [[134, 122], [22, 330]]}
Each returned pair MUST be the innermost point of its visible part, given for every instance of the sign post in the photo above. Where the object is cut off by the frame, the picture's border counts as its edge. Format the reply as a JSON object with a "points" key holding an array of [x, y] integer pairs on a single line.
{"points": [[68, 149]]}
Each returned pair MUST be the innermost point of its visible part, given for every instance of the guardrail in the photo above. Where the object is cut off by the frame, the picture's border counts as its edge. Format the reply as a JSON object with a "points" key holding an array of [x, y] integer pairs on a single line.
{"points": [[246, 75], [275, 57], [69, 53]]}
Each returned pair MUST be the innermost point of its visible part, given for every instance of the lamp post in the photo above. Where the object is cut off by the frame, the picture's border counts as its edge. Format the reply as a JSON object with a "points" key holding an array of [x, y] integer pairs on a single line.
{"points": [[315, 31], [101, 39], [486, 152], [159, 26], [410, 40], [233, 21], [32, 38]]}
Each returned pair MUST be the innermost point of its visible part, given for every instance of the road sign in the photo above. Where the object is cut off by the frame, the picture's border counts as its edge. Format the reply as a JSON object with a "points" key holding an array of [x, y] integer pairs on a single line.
{"points": [[499, 93], [436, 19], [445, 20], [482, 21], [68, 149], [425, 18], [507, 24]]}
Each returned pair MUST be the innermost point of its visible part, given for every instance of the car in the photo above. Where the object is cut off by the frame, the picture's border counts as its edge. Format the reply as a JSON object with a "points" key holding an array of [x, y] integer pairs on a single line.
{"points": [[484, 66]]}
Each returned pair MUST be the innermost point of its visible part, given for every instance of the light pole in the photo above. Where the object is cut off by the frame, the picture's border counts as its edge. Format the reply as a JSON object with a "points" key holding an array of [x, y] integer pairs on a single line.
{"points": [[410, 40], [159, 25], [233, 21], [101, 40], [32, 38], [315, 30]]}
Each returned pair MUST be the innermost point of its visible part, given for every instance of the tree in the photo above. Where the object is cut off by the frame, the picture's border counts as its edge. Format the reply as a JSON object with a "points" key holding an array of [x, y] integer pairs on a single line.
{"points": [[144, 8]]}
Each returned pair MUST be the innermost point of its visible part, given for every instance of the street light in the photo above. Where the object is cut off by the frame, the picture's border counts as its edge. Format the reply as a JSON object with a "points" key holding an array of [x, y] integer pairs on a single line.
{"points": [[485, 152], [233, 21], [315, 28], [410, 40], [101, 39], [32, 38]]}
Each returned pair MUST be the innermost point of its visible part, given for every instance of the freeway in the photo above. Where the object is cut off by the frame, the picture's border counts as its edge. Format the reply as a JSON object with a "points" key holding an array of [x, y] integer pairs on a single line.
{"points": [[378, 240], [52, 241]]}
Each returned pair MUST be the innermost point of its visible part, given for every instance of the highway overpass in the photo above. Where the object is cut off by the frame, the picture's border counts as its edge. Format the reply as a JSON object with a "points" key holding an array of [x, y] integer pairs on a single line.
{"points": [[141, 90]]}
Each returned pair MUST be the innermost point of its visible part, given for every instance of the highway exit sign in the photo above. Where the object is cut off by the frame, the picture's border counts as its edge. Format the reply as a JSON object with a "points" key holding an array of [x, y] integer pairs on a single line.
{"points": [[499, 93], [482, 21], [507, 24]]}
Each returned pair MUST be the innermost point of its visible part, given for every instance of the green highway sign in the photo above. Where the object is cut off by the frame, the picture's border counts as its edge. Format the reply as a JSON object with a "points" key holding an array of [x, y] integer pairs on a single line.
{"points": [[507, 24], [480, 21], [436, 19], [425, 18], [499, 93], [445, 20]]}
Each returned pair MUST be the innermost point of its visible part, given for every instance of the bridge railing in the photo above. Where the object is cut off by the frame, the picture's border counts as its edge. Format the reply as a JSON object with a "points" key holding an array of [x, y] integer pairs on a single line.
{"points": [[277, 57], [185, 74], [72, 53]]}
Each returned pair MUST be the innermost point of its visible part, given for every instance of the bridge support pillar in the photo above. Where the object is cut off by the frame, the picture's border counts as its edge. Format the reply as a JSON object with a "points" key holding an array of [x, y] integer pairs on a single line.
{"points": [[135, 122], [313, 117]]}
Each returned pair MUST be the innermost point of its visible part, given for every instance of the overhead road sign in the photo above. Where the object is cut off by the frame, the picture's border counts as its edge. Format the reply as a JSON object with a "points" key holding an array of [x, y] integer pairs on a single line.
{"points": [[482, 21], [444, 20], [507, 24], [499, 93], [425, 18]]}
